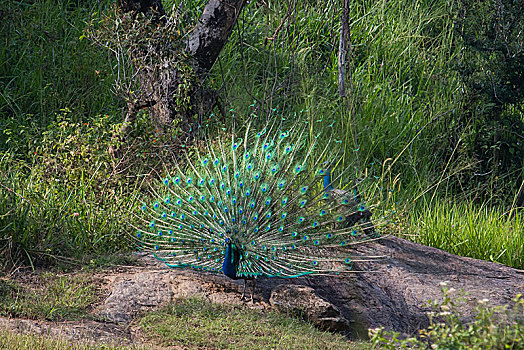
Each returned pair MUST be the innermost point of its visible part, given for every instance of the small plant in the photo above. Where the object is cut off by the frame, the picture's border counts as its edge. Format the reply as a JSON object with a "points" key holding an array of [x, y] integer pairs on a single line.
{"points": [[499, 327]]}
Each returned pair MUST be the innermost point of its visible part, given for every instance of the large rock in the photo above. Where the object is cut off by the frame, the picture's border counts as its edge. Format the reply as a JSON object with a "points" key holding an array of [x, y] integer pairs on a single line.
{"points": [[392, 292]]}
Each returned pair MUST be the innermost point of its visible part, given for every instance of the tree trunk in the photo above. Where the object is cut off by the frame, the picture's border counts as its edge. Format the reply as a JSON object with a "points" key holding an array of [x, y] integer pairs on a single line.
{"points": [[205, 43]]}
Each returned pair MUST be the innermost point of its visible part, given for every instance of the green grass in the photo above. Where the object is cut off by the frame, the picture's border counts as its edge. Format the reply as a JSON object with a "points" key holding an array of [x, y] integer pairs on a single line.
{"points": [[470, 230], [14, 341], [196, 324], [55, 298]]}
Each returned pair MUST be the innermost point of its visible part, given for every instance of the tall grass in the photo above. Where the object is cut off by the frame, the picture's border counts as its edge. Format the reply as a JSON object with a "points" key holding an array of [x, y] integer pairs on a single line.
{"points": [[470, 230]]}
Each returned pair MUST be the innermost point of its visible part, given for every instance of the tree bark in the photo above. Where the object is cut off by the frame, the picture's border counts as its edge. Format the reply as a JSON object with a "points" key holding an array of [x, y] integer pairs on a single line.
{"points": [[212, 31]]}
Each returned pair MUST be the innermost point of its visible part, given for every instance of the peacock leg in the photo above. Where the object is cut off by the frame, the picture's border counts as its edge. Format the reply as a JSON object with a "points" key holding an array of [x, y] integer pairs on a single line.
{"points": [[244, 291], [253, 290]]}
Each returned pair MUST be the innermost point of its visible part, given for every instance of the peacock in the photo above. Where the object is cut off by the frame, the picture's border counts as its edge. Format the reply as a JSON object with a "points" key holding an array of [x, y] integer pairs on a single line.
{"points": [[256, 203]]}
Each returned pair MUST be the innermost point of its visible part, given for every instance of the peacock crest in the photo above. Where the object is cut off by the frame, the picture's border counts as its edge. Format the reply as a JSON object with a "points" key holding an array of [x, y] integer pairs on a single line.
{"points": [[257, 203]]}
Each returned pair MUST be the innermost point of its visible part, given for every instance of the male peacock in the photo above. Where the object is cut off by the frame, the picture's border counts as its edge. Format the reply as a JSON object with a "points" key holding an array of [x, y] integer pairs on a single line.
{"points": [[254, 205]]}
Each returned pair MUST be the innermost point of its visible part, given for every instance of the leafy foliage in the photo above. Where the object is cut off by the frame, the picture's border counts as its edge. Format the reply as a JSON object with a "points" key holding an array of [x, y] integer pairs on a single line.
{"points": [[492, 70]]}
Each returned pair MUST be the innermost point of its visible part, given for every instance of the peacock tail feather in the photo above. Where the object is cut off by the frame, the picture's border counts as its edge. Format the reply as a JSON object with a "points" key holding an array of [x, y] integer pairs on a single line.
{"points": [[258, 198]]}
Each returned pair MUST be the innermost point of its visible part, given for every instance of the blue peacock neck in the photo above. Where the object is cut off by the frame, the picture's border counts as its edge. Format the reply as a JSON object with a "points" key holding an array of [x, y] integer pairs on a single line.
{"points": [[231, 260], [327, 181]]}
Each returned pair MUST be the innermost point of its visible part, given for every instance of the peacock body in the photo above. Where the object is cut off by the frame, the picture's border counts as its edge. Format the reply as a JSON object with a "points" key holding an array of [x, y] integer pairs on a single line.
{"points": [[259, 203]]}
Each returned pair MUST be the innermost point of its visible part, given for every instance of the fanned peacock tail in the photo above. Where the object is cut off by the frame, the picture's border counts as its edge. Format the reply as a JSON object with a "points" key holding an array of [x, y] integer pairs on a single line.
{"points": [[256, 204]]}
